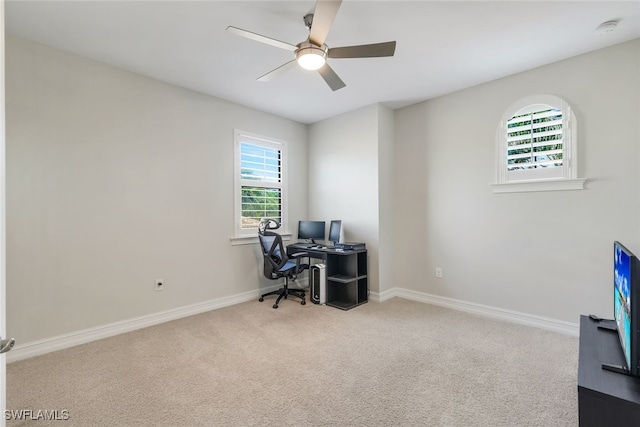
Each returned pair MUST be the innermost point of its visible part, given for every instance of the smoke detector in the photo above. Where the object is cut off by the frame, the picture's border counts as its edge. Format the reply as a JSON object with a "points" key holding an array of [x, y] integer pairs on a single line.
{"points": [[606, 27]]}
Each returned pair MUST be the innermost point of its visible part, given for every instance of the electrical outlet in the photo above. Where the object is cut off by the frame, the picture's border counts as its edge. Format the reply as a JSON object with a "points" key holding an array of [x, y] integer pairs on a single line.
{"points": [[439, 272], [159, 286]]}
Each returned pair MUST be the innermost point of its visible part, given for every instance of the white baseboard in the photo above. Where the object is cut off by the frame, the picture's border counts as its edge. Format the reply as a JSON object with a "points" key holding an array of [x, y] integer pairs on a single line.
{"points": [[383, 296], [35, 348], [554, 325]]}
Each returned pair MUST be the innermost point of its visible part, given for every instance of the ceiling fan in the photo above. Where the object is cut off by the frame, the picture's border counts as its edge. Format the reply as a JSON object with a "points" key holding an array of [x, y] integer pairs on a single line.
{"points": [[312, 53]]}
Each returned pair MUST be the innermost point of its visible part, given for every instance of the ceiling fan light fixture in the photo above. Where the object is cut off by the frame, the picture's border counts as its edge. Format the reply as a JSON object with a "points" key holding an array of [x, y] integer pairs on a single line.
{"points": [[312, 53], [311, 57]]}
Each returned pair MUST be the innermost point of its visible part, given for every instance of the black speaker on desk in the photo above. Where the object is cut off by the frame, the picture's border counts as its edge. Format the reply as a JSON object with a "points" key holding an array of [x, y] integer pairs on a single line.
{"points": [[317, 287]]}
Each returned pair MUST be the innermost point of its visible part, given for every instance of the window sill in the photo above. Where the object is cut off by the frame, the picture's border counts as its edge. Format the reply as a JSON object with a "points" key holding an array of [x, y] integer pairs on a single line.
{"points": [[251, 239], [523, 186]]}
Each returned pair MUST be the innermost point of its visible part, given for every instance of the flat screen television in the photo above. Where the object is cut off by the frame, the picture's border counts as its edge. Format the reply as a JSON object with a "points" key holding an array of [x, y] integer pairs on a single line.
{"points": [[311, 230], [626, 306], [334, 231]]}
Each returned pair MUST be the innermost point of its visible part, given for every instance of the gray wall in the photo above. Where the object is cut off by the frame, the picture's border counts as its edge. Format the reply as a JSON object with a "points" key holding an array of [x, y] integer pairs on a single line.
{"points": [[350, 176], [386, 208], [550, 253], [115, 180]]}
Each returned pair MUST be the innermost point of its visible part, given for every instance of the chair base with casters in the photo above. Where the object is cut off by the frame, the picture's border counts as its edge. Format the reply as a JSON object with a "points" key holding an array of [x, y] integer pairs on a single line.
{"points": [[284, 293]]}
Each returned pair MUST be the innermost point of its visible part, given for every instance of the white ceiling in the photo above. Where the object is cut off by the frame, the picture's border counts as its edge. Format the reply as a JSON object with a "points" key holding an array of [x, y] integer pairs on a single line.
{"points": [[442, 46]]}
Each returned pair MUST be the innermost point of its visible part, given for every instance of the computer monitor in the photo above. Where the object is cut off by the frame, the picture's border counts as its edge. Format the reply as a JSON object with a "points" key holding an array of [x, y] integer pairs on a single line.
{"points": [[311, 230], [334, 231]]}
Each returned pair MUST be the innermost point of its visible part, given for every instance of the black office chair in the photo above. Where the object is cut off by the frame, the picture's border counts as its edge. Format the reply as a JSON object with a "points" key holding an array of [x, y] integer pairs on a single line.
{"points": [[276, 262]]}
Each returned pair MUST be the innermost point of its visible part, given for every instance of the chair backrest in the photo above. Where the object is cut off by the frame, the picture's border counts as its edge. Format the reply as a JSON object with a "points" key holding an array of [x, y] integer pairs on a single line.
{"points": [[272, 251]]}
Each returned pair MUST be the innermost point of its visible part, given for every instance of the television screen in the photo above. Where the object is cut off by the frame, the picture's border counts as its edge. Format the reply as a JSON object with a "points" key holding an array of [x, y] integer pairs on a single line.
{"points": [[311, 230], [622, 298]]}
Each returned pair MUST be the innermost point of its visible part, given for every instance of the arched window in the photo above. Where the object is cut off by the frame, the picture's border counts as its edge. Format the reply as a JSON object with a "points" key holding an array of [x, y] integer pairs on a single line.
{"points": [[537, 146]]}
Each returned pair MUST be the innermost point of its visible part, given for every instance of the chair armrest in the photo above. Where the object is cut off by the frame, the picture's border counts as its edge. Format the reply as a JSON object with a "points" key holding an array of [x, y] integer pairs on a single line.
{"points": [[299, 255]]}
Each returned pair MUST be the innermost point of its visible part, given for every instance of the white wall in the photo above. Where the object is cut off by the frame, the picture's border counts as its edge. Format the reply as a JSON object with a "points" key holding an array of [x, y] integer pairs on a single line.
{"points": [[3, 330], [115, 180], [345, 176], [386, 208], [550, 253]]}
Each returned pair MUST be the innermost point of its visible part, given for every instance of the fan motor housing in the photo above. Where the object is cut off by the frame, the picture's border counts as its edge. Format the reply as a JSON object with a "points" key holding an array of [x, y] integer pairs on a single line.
{"points": [[318, 50]]}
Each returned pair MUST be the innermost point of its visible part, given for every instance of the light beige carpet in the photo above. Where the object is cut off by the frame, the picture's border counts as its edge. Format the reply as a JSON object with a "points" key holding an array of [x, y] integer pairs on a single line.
{"points": [[398, 363]]}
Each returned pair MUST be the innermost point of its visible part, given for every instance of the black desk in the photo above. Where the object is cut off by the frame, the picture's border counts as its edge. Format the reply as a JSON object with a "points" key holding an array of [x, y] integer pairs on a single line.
{"points": [[605, 398], [346, 284]]}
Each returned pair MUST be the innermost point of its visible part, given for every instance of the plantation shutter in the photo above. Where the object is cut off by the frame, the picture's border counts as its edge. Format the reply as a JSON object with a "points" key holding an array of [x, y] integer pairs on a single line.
{"points": [[534, 140], [261, 182]]}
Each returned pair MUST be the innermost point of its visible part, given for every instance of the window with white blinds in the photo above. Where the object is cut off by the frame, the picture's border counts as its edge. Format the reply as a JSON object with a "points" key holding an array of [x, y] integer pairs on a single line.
{"points": [[534, 140], [260, 181], [536, 146]]}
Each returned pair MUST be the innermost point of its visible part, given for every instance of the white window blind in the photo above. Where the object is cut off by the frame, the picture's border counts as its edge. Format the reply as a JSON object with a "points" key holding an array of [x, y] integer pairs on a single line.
{"points": [[534, 140], [261, 180]]}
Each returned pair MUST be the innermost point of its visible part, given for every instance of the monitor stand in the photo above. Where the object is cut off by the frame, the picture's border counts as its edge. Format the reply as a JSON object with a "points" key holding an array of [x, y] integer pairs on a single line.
{"points": [[610, 325], [616, 368]]}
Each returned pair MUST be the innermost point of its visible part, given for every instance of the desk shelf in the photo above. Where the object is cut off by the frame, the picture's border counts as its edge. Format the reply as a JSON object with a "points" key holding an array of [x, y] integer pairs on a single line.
{"points": [[343, 305], [345, 279], [347, 283]]}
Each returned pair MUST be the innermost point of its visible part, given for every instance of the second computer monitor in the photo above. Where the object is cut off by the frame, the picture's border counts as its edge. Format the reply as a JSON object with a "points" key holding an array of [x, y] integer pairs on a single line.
{"points": [[311, 230], [334, 231]]}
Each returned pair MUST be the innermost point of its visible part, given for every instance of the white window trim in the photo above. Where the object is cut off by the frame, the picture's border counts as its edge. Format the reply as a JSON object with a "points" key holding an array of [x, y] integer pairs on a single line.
{"points": [[250, 236], [250, 240], [567, 176], [523, 186]]}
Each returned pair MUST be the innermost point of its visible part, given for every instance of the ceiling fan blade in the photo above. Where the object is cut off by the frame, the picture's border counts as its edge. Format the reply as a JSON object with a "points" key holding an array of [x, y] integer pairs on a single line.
{"points": [[331, 77], [363, 51], [323, 17], [275, 73], [261, 38]]}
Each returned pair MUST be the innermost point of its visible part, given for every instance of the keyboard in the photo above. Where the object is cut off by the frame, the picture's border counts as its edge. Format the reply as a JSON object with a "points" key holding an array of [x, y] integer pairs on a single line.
{"points": [[308, 246]]}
